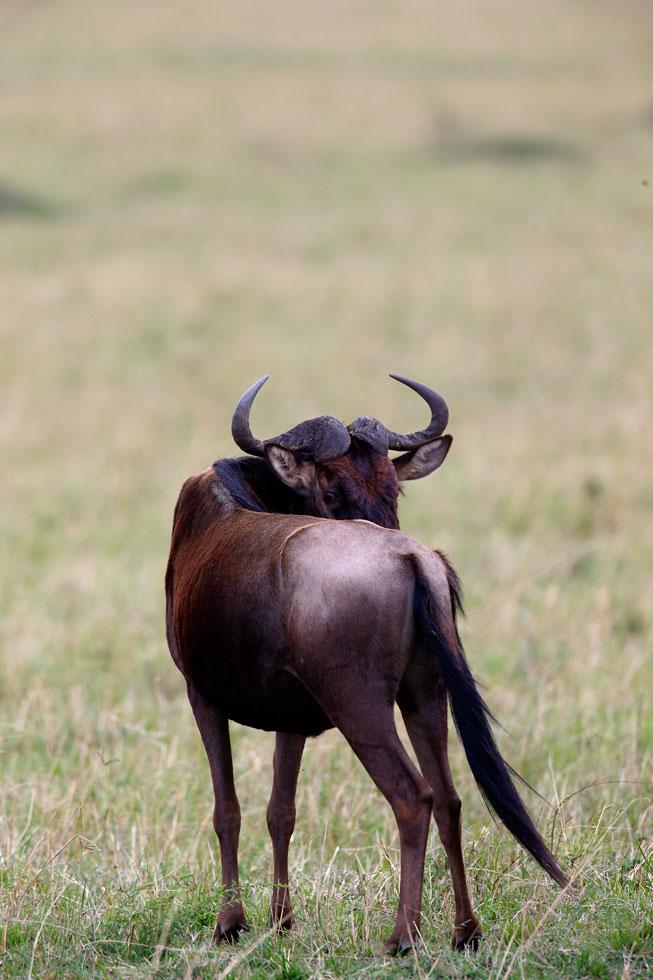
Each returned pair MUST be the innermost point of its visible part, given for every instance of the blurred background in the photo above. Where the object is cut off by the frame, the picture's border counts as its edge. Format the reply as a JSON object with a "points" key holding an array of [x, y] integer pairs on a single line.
{"points": [[192, 195]]}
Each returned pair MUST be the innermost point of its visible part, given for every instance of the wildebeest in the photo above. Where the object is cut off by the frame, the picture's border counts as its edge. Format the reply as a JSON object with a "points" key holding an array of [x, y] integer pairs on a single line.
{"points": [[294, 605]]}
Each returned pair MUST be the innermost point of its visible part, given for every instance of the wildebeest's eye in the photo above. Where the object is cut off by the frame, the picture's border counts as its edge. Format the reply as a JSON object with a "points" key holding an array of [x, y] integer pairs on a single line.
{"points": [[330, 499]]}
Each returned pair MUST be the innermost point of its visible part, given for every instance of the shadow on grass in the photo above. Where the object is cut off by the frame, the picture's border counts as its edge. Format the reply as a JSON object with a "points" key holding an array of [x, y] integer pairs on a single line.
{"points": [[16, 203], [505, 149]]}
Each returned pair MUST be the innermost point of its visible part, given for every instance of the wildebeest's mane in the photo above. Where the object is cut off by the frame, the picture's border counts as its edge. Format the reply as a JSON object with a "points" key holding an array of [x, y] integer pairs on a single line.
{"points": [[252, 484]]}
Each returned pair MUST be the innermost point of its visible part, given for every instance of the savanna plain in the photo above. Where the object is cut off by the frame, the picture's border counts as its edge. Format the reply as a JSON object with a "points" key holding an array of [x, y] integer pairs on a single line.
{"points": [[194, 195]]}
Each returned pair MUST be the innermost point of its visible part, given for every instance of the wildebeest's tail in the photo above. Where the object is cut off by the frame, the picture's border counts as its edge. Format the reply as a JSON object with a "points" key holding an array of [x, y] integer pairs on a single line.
{"points": [[472, 717]]}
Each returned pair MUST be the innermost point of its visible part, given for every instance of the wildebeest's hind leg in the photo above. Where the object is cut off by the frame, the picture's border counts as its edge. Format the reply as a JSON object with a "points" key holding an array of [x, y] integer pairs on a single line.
{"points": [[214, 729], [423, 702], [361, 710], [281, 822]]}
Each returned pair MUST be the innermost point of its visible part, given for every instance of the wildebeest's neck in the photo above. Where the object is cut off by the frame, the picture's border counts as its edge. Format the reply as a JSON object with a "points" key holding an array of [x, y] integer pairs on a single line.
{"points": [[252, 484]]}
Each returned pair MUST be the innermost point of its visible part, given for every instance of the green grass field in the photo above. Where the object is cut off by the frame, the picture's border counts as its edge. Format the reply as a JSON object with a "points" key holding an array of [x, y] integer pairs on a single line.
{"points": [[194, 195]]}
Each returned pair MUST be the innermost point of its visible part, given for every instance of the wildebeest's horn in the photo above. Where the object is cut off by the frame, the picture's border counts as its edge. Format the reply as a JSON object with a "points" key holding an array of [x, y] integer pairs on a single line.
{"points": [[373, 432], [437, 425], [321, 439], [240, 429]]}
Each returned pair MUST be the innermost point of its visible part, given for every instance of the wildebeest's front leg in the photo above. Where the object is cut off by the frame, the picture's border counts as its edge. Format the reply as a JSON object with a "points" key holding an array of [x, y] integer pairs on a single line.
{"points": [[423, 703], [214, 729], [281, 822]]}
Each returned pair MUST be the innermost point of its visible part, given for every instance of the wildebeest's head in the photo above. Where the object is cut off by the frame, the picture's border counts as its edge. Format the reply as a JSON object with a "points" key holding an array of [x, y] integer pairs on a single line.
{"points": [[337, 471]]}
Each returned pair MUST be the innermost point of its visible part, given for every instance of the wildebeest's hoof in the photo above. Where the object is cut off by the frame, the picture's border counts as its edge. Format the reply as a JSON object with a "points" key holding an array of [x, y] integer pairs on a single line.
{"points": [[281, 918], [229, 927], [467, 935], [398, 946]]}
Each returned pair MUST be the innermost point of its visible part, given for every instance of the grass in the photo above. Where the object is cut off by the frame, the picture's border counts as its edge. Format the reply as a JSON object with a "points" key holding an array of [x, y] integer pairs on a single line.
{"points": [[191, 198]]}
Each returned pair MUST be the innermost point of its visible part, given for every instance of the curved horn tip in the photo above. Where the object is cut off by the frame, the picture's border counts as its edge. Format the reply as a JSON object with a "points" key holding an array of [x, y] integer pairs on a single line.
{"points": [[439, 416], [240, 429], [424, 390], [258, 384], [249, 395], [415, 385]]}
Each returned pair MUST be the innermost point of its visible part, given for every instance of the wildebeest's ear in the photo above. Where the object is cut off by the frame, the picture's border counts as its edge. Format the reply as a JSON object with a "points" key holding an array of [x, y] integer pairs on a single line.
{"points": [[420, 462], [294, 473]]}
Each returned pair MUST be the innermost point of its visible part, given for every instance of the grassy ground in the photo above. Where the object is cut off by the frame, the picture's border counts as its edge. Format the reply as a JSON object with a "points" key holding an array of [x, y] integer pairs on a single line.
{"points": [[191, 196]]}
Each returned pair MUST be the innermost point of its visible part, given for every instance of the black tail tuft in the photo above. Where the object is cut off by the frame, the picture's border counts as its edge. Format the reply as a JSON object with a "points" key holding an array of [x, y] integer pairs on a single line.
{"points": [[471, 717]]}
